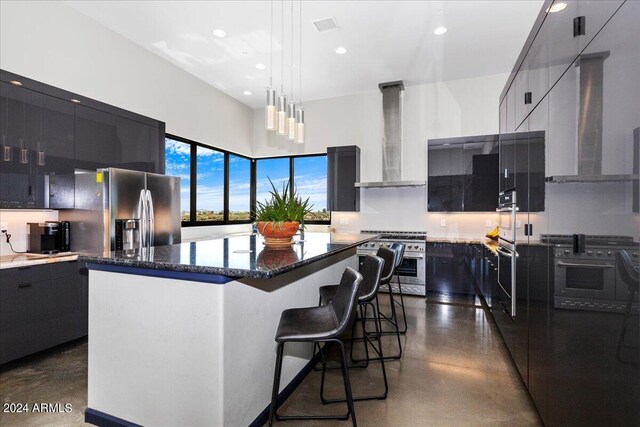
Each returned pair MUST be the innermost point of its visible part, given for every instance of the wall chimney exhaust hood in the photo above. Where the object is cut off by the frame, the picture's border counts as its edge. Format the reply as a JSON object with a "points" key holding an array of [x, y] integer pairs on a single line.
{"points": [[591, 70], [391, 139]]}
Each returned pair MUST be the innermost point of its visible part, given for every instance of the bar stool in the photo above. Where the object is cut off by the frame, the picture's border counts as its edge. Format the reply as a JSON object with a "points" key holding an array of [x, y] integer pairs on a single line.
{"points": [[631, 277], [399, 248], [318, 324], [371, 270]]}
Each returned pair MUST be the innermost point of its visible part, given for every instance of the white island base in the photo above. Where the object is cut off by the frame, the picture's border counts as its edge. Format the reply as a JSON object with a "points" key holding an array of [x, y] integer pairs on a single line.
{"points": [[169, 352]]}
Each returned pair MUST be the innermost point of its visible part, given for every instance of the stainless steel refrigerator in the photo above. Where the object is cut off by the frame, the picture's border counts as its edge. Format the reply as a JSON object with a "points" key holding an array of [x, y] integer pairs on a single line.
{"points": [[107, 195]]}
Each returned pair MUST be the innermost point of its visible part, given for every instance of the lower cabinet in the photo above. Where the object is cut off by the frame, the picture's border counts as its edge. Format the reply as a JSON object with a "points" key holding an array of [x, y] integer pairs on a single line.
{"points": [[448, 270], [40, 307]]}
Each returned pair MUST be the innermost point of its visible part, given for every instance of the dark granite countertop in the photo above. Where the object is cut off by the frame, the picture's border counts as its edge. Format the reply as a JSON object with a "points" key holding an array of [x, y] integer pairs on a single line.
{"points": [[234, 256]]}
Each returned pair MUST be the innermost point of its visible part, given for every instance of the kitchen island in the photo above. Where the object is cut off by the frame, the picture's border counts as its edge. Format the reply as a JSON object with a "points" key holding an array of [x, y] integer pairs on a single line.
{"points": [[184, 334]]}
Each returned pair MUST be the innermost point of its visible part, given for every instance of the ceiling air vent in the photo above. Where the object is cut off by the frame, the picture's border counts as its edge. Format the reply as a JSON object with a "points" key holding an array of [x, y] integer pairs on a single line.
{"points": [[325, 25]]}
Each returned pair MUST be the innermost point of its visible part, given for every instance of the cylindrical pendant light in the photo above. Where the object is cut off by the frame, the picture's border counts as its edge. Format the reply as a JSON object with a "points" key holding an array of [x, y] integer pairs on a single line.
{"points": [[270, 110], [291, 121], [281, 128], [299, 126]]}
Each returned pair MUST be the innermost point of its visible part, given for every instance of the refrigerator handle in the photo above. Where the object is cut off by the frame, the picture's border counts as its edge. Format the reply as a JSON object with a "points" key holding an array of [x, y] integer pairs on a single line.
{"points": [[151, 218], [142, 214]]}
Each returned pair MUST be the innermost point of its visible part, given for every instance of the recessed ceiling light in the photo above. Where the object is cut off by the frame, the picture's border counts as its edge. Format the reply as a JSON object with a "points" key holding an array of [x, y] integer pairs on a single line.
{"points": [[440, 31], [341, 50], [16, 83], [261, 66], [219, 33], [557, 7], [77, 101], [246, 92], [244, 52]]}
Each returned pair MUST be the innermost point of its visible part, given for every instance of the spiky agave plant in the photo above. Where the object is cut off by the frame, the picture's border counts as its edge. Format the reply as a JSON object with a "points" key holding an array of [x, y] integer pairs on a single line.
{"points": [[283, 207]]}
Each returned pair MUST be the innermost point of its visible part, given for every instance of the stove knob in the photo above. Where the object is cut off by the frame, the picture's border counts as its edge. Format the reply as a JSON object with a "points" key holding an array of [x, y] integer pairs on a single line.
{"points": [[599, 253], [388, 245], [610, 253], [636, 254], [589, 253], [567, 251]]}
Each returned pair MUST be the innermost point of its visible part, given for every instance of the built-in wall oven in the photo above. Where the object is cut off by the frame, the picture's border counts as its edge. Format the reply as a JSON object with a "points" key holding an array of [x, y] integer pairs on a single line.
{"points": [[507, 251], [412, 271]]}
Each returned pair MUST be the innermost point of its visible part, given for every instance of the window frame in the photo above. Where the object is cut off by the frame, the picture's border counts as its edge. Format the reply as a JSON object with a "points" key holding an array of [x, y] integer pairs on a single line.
{"points": [[292, 182], [193, 172], [252, 183]]}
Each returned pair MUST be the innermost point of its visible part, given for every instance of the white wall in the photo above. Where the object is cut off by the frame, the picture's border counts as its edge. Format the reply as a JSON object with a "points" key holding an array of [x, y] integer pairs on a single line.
{"points": [[52, 43], [446, 109]]}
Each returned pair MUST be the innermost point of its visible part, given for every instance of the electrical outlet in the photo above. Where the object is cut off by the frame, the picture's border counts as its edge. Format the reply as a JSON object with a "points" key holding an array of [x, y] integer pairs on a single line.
{"points": [[488, 223], [4, 225], [344, 221], [443, 223], [518, 224]]}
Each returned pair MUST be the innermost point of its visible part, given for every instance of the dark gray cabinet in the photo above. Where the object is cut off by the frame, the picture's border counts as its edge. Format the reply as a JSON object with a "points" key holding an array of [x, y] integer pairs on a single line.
{"points": [[447, 270], [45, 137], [463, 174], [40, 307], [577, 368], [343, 171]]}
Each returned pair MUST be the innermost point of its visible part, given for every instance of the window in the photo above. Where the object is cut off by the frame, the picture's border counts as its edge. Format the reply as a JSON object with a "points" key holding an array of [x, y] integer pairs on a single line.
{"points": [[177, 156], [239, 188], [209, 185], [310, 180], [276, 170], [219, 187]]}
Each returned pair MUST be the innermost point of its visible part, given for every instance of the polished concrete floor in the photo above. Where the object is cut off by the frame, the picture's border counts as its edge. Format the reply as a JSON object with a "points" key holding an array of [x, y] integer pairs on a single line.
{"points": [[454, 372]]}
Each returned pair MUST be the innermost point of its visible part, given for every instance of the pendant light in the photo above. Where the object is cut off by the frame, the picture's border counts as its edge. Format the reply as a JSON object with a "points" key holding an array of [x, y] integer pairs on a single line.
{"points": [[270, 109], [291, 107], [281, 128], [300, 110]]}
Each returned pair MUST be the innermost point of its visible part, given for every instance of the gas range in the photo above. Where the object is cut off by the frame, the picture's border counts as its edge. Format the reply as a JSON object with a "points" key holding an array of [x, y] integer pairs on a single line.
{"points": [[412, 272], [585, 272], [595, 246]]}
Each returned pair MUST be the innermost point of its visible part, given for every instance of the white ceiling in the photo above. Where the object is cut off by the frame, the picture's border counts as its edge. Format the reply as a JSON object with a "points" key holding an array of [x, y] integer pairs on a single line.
{"points": [[386, 41]]}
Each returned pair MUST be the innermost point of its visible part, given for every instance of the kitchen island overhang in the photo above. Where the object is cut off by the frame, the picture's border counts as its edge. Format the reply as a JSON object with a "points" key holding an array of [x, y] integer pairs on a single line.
{"points": [[169, 347]]}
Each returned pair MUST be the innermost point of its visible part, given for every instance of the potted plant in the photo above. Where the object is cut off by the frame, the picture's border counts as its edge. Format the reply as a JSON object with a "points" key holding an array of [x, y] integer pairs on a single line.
{"points": [[278, 219]]}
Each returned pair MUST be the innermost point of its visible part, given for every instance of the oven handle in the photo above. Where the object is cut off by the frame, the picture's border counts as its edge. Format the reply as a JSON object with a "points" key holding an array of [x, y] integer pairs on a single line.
{"points": [[505, 253], [512, 256], [568, 264], [413, 256]]}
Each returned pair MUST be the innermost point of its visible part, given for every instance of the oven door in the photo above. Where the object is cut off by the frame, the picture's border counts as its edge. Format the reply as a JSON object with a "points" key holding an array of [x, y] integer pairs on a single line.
{"points": [[591, 279], [507, 257], [412, 269]]}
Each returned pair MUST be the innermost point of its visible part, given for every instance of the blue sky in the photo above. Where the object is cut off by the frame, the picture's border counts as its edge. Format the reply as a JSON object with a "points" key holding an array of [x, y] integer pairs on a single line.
{"points": [[310, 177]]}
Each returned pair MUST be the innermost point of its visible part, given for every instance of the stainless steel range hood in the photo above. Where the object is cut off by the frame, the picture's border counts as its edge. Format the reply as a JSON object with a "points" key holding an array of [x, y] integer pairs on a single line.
{"points": [[591, 72], [391, 139]]}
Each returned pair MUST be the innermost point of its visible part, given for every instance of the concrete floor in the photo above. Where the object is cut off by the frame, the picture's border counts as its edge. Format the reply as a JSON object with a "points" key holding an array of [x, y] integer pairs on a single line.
{"points": [[454, 372]]}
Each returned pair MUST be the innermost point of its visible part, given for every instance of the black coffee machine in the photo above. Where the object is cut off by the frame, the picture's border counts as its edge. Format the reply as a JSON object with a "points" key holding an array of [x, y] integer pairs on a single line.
{"points": [[49, 237]]}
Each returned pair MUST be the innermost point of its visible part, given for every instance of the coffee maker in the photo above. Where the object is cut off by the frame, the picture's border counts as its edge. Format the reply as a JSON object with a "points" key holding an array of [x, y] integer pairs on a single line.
{"points": [[49, 237]]}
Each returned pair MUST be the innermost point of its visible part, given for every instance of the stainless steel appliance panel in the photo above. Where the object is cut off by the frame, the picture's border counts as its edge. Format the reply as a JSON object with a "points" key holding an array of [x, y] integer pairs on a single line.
{"points": [[163, 206], [124, 197]]}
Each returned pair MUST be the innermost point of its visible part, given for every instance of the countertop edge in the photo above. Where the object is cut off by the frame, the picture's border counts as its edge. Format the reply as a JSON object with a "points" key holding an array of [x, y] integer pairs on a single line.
{"points": [[34, 262], [221, 271]]}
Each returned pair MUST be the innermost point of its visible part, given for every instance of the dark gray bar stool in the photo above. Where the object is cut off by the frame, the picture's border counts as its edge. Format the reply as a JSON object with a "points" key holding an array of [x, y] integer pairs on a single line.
{"points": [[323, 324], [399, 248], [371, 270]]}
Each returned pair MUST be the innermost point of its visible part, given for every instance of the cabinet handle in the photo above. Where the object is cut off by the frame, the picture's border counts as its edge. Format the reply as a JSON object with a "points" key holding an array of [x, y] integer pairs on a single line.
{"points": [[24, 285], [24, 267], [579, 26], [527, 98]]}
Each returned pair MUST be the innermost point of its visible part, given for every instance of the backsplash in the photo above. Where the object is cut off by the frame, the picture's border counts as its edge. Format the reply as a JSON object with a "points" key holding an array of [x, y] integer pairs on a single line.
{"points": [[404, 209], [16, 222]]}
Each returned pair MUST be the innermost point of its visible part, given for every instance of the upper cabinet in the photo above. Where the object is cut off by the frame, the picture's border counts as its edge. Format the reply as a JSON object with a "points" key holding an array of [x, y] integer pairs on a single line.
{"points": [[46, 136], [463, 174], [343, 171]]}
